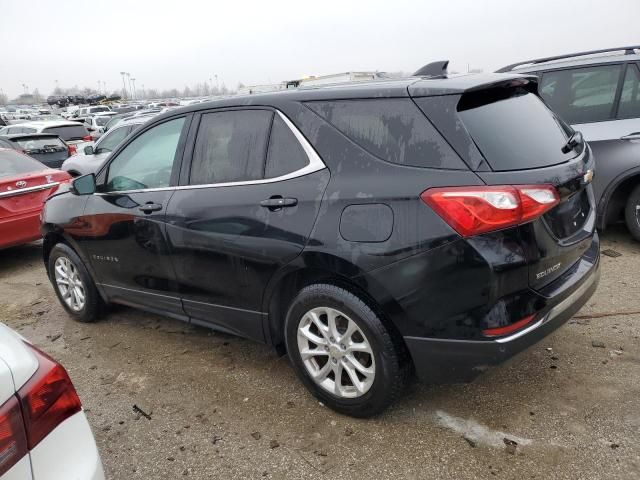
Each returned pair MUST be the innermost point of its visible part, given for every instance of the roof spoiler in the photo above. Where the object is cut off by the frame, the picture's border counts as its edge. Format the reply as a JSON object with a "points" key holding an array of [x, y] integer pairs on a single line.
{"points": [[433, 70]]}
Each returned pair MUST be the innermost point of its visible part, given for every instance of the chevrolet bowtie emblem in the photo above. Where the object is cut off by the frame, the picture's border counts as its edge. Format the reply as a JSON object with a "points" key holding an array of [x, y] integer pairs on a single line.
{"points": [[588, 177]]}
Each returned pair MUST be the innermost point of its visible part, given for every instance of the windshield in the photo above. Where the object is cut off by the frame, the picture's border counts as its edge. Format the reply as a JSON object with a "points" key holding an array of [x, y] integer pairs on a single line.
{"points": [[69, 132], [13, 163], [102, 121]]}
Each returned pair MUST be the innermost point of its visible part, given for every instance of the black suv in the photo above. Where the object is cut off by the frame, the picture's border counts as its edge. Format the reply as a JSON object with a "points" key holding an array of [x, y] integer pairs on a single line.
{"points": [[436, 225]]}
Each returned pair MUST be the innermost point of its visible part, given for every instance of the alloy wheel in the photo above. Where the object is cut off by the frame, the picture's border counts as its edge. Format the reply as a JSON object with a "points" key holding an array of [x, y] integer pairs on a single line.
{"points": [[69, 283], [336, 352]]}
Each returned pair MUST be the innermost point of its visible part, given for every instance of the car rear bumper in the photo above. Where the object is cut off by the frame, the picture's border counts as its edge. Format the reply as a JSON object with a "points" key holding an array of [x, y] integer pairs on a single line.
{"points": [[21, 229], [453, 361]]}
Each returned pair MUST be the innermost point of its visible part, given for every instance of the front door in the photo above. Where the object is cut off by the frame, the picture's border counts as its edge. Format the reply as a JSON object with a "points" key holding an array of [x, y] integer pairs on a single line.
{"points": [[248, 207], [124, 224]]}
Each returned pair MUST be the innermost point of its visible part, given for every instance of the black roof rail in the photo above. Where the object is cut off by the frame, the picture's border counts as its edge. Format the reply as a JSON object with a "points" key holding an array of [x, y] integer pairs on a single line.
{"points": [[627, 51], [433, 69]]}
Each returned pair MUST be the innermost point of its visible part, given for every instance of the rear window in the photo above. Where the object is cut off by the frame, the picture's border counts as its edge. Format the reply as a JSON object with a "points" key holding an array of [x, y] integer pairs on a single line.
{"points": [[69, 132], [14, 163], [99, 109], [102, 121], [41, 145], [392, 129], [513, 129]]}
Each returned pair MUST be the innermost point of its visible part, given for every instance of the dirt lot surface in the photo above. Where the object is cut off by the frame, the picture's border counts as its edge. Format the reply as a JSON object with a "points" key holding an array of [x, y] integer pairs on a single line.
{"points": [[224, 407]]}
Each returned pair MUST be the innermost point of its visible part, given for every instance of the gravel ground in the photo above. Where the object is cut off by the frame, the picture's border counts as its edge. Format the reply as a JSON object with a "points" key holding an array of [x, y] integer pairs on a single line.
{"points": [[224, 407]]}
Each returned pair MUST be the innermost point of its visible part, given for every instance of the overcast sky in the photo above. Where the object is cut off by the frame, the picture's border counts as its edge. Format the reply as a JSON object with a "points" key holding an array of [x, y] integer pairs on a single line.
{"points": [[167, 44]]}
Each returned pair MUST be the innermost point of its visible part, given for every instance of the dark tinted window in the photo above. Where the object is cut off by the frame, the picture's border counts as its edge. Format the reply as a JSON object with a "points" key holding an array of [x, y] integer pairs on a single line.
{"points": [[230, 147], [14, 163], [581, 95], [630, 98], [68, 132], [394, 130], [286, 155], [41, 144], [513, 129]]}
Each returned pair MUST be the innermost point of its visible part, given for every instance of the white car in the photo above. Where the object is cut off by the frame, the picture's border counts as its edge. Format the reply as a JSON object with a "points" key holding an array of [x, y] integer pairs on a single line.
{"points": [[73, 133], [86, 111], [95, 123], [44, 433]]}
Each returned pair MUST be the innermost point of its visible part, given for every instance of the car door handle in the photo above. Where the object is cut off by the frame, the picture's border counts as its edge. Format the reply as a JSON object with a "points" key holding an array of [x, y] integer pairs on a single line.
{"points": [[278, 202], [631, 136], [150, 207]]}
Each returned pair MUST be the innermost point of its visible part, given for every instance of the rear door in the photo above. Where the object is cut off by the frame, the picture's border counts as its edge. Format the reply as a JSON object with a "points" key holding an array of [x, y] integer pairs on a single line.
{"points": [[249, 201], [602, 102]]}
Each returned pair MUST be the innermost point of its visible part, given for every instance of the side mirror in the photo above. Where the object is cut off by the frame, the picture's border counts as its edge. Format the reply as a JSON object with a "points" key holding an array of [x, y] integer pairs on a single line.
{"points": [[88, 150], [84, 185]]}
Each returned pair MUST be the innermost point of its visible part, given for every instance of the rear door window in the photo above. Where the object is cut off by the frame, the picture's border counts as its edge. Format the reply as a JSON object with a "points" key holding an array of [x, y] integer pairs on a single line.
{"points": [[230, 147], [513, 129], [630, 97], [394, 130], [582, 95]]}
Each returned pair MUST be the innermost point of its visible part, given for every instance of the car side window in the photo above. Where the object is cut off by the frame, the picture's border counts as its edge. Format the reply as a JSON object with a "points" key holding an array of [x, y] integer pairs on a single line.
{"points": [[111, 140], [147, 161], [630, 97], [230, 147], [285, 155], [582, 95]]}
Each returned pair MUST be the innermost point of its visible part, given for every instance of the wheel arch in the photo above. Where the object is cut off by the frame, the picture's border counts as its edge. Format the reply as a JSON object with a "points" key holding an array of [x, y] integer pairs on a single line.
{"points": [[614, 199], [329, 269]]}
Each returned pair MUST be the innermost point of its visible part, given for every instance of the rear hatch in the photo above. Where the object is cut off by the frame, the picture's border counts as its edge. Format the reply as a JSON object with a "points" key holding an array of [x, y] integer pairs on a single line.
{"points": [[25, 184], [522, 142], [46, 148], [73, 134]]}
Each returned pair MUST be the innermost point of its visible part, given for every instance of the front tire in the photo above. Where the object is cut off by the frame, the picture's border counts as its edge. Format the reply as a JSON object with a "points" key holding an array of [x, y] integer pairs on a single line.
{"points": [[343, 353], [632, 213], [73, 285]]}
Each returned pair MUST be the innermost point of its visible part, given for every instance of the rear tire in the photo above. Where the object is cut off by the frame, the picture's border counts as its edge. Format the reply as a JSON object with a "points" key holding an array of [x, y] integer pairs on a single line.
{"points": [[73, 285], [632, 213], [331, 332]]}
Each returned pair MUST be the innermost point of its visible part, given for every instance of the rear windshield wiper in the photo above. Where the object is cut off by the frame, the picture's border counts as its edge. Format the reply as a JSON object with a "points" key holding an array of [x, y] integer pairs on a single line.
{"points": [[574, 140]]}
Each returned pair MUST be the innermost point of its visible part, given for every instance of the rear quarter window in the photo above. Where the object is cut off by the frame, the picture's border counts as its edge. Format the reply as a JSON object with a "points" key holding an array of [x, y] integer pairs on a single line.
{"points": [[394, 130]]}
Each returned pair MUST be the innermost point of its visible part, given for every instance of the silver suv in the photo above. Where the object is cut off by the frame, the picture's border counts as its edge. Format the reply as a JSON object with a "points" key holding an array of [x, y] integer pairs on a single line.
{"points": [[598, 94]]}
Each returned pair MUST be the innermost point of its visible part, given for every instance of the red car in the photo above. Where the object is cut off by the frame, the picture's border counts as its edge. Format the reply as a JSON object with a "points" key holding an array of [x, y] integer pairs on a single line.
{"points": [[25, 184]]}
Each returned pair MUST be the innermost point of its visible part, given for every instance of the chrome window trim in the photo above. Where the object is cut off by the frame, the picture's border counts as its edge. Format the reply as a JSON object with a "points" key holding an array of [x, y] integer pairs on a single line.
{"points": [[315, 164], [20, 191]]}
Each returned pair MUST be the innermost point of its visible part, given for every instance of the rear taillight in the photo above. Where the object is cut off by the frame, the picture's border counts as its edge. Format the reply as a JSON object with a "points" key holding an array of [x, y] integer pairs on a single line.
{"points": [[87, 138], [13, 440], [47, 399], [474, 210], [72, 149]]}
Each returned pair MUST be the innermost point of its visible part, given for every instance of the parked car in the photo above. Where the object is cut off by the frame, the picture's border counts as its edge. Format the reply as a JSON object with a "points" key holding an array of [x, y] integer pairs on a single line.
{"points": [[598, 93], [71, 132], [86, 111], [44, 433], [92, 157], [359, 227], [25, 184], [96, 123], [47, 148]]}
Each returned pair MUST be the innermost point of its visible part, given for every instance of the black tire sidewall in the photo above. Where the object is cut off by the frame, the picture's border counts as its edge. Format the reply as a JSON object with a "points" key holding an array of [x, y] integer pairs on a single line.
{"points": [[385, 356], [631, 217], [90, 311]]}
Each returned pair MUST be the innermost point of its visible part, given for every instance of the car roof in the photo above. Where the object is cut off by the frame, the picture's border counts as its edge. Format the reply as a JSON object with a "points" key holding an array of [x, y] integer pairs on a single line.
{"points": [[51, 123], [596, 57], [385, 88]]}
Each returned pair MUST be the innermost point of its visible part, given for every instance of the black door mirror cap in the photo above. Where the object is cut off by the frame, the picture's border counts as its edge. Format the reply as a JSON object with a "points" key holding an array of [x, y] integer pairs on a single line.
{"points": [[84, 185]]}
